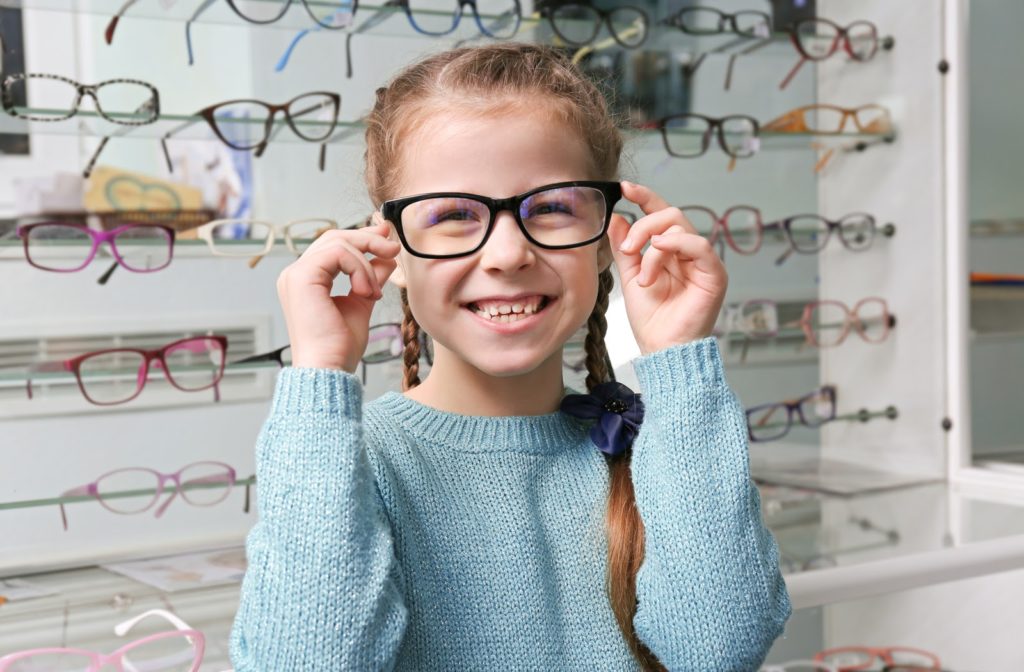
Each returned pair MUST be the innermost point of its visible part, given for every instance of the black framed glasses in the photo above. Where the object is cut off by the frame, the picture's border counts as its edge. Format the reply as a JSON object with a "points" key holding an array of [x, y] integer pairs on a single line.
{"points": [[689, 135], [443, 225], [57, 98], [768, 422], [578, 24], [711, 21], [311, 116]]}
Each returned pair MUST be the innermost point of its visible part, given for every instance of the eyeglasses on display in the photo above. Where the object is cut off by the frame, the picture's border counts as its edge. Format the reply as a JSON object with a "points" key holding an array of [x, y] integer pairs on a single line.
{"points": [[56, 98], [808, 234], [822, 119], [849, 658], [117, 375], [236, 237], [827, 323], [578, 24], [181, 649], [311, 116], [819, 38], [68, 247], [137, 489], [769, 422], [689, 135], [558, 216], [740, 227], [710, 21], [329, 14]]}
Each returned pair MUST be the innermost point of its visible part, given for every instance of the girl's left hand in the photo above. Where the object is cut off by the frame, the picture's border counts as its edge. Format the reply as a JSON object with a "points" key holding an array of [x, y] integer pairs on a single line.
{"points": [[674, 291]]}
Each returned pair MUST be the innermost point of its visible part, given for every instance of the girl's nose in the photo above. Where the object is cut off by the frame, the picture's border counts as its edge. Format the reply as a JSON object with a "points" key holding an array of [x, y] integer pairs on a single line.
{"points": [[507, 249]]}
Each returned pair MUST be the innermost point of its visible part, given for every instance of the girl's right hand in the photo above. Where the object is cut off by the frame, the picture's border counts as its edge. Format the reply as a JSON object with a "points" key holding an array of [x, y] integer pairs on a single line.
{"points": [[331, 332]]}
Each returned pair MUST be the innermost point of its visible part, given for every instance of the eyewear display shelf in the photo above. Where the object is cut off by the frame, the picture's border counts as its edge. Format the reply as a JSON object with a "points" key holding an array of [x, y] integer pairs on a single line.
{"points": [[859, 508]]}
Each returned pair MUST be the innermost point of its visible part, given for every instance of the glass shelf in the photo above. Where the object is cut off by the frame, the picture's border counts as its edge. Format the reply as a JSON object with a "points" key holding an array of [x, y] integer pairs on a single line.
{"points": [[122, 494], [532, 26], [353, 131]]}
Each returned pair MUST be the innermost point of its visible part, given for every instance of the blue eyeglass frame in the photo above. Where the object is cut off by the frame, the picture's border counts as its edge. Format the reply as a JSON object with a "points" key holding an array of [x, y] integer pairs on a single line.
{"points": [[392, 212]]}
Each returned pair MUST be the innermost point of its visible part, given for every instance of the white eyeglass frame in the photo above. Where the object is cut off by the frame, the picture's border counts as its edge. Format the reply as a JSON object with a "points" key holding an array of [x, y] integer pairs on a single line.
{"points": [[274, 231]]}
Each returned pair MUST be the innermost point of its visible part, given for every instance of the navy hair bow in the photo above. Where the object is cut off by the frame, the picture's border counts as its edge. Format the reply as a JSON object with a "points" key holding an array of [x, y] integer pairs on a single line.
{"points": [[618, 410]]}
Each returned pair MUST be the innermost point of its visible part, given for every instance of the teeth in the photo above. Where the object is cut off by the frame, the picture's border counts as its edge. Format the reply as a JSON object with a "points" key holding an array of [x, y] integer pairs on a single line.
{"points": [[508, 312]]}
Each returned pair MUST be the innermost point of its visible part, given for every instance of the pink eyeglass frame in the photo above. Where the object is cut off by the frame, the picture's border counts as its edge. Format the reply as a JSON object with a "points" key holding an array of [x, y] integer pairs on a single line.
{"points": [[98, 238], [74, 365], [852, 319], [92, 489], [875, 654], [98, 660]]}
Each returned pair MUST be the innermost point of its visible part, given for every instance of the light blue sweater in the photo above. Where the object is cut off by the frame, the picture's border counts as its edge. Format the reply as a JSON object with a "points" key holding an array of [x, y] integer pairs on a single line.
{"points": [[397, 536]]}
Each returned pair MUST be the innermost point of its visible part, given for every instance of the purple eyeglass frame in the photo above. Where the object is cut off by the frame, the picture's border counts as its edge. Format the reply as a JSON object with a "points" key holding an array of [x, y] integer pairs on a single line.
{"points": [[74, 365], [92, 489], [98, 238]]}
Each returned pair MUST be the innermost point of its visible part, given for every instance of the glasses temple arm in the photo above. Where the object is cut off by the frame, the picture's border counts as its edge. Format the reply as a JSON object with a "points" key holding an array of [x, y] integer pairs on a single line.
{"points": [[163, 141], [188, 27], [379, 17], [108, 34], [122, 629], [80, 491], [745, 52], [792, 73]]}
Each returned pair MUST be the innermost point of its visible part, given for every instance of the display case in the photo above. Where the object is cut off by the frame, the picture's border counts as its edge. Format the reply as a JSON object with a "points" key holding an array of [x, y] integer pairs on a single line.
{"points": [[887, 490]]}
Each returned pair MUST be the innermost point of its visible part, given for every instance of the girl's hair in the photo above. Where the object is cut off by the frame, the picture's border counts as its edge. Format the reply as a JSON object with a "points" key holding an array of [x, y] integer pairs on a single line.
{"points": [[501, 79]]}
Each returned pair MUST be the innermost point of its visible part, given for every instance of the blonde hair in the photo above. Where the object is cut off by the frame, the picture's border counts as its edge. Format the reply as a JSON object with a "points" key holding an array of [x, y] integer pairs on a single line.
{"points": [[486, 81]]}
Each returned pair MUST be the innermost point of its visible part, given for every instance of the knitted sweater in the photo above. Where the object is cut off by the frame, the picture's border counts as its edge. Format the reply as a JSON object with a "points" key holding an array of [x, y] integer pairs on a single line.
{"points": [[397, 536]]}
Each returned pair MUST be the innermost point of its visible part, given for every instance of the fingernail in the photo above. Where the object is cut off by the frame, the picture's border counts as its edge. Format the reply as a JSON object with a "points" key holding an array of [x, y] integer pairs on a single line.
{"points": [[625, 244]]}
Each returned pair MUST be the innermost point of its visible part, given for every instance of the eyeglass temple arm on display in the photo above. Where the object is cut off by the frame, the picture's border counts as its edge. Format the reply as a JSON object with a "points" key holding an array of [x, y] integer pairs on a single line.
{"points": [[383, 13], [188, 28], [81, 491], [497, 23], [282, 62], [745, 52], [122, 629], [108, 34], [43, 367], [163, 141], [148, 106], [248, 498], [606, 43]]}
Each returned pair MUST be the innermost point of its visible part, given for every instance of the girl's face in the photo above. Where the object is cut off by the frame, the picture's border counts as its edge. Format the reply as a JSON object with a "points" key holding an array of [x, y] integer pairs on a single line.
{"points": [[499, 157]]}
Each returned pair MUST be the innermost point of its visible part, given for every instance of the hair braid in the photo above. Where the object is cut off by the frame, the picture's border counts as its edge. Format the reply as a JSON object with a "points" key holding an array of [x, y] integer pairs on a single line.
{"points": [[625, 527], [411, 352]]}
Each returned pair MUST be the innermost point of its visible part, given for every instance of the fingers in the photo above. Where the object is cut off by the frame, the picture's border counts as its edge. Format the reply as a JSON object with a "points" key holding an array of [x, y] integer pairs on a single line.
{"points": [[679, 244], [648, 201]]}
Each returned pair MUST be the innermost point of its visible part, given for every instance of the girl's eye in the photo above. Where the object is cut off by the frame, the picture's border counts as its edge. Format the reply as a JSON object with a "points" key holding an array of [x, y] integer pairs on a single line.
{"points": [[454, 216], [549, 209]]}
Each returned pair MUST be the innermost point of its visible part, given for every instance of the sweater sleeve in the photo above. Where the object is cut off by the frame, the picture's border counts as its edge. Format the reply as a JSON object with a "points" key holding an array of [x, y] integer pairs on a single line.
{"points": [[323, 587], [709, 591]]}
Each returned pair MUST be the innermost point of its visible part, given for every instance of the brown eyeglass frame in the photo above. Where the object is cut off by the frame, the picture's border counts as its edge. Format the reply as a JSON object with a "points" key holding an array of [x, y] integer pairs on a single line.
{"points": [[207, 114]]}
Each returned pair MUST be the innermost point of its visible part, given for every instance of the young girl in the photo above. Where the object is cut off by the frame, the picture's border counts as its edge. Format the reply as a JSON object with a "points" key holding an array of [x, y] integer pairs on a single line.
{"points": [[470, 523]]}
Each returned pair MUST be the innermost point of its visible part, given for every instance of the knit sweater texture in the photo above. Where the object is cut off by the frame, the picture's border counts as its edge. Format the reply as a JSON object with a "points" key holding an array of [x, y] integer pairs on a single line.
{"points": [[398, 536]]}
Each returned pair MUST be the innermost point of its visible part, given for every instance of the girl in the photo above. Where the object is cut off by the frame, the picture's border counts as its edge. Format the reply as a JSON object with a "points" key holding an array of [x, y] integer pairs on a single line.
{"points": [[469, 523]]}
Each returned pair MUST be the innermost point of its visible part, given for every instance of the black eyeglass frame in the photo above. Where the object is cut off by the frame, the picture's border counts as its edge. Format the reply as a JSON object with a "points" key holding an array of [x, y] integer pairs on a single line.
{"points": [[713, 123], [392, 212], [724, 19], [548, 9]]}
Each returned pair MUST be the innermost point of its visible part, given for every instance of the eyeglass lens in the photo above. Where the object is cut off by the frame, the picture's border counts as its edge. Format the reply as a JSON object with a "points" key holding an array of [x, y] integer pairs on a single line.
{"points": [[563, 216]]}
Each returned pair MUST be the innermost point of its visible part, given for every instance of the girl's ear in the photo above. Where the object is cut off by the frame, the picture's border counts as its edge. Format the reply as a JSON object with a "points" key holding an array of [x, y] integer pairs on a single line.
{"points": [[397, 276]]}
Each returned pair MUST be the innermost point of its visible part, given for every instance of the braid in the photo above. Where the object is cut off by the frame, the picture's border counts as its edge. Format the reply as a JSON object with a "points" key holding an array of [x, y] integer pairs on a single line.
{"points": [[411, 338], [597, 326], [625, 527]]}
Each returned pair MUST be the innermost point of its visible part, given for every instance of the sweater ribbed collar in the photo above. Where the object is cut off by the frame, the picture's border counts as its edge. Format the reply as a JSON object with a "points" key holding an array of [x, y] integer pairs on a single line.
{"points": [[541, 434]]}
